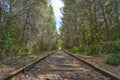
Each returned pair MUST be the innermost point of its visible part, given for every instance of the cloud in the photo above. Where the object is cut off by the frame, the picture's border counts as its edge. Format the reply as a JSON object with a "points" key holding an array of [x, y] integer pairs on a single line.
{"points": [[57, 5]]}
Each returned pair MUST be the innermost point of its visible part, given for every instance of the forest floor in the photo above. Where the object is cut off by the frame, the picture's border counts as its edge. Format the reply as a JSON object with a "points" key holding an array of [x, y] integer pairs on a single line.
{"points": [[18, 62], [99, 61]]}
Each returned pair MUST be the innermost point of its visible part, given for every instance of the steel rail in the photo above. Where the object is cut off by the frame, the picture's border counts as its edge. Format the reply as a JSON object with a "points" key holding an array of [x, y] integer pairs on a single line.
{"points": [[101, 70], [14, 73]]}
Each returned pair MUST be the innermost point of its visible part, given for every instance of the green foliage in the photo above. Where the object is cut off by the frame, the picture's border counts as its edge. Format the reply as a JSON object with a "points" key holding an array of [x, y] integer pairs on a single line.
{"points": [[21, 34], [9, 43], [59, 44], [114, 48], [86, 49], [37, 49], [77, 50], [108, 9], [97, 30], [91, 49], [113, 59], [116, 35]]}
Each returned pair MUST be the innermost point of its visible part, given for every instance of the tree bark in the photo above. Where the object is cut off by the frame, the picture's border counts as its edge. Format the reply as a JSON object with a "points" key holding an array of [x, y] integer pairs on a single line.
{"points": [[117, 15], [108, 34], [24, 29]]}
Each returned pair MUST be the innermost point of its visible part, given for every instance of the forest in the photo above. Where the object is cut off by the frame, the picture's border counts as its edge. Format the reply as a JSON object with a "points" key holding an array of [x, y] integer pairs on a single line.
{"points": [[92, 27], [25, 27], [89, 30], [89, 27]]}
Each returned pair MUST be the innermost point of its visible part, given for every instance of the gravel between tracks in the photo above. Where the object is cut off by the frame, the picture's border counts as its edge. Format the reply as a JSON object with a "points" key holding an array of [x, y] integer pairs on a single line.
{"points": [[60, 66]]}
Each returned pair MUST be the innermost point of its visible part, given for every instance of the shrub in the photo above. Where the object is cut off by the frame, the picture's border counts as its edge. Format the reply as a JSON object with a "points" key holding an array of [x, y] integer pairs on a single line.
{"points": [[77, 50], [114, 48], [113, 59]]}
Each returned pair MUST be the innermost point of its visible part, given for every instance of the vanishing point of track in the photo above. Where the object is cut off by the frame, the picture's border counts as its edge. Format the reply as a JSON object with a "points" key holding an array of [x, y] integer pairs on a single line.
{"points": [[60, 65]]}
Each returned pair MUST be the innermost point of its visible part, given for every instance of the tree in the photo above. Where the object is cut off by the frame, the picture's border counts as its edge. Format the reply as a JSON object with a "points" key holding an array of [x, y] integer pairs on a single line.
{"points": [[88, 23], [26, 26]]}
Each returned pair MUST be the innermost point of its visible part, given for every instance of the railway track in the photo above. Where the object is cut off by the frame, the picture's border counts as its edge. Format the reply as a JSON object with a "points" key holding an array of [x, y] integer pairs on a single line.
{"points": [[60, 65]]}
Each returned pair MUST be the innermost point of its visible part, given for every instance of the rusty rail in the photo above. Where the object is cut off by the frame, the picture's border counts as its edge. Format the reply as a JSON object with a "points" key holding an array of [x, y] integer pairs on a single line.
{"points": [[101, 70], [12, 74]]}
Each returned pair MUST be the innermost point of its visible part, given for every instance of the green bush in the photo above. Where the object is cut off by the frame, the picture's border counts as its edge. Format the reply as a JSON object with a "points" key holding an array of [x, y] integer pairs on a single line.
{"points": [[86, 49], [113, 59], [114, 48], [77, 50], [92, 49]]}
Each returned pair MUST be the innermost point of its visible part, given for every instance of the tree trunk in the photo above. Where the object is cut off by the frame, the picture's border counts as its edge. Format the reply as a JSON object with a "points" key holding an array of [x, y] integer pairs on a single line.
{"points": [[24, 29], [91, 21], [108, 35], [0, 11], [117, 15]]}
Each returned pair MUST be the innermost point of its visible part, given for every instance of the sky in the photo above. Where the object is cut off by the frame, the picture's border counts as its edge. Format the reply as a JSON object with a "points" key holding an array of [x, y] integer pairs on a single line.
{"points": [[6, 6], [57, 5]]}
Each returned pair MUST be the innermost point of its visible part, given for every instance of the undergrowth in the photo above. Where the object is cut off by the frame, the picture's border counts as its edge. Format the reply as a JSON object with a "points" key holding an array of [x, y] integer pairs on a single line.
{"points": [[113, 59], [77, 50]]}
